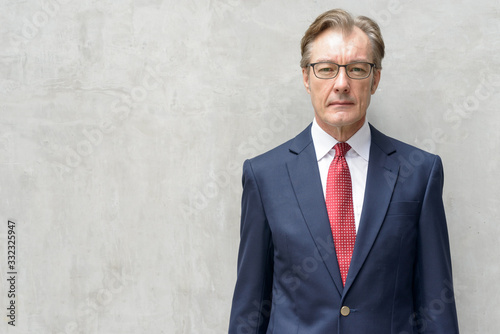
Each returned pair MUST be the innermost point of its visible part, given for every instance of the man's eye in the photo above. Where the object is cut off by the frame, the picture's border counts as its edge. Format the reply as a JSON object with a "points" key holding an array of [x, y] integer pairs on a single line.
{"points": [[357, 69], [326, 69]]}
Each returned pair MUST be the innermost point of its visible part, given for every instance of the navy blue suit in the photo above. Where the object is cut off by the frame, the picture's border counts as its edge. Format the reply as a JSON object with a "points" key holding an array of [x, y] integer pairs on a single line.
{"points": [[400, 278]]}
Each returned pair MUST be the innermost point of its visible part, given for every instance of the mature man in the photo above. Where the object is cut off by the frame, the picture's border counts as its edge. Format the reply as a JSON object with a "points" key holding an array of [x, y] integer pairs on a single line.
{"points": [[343, 229]]}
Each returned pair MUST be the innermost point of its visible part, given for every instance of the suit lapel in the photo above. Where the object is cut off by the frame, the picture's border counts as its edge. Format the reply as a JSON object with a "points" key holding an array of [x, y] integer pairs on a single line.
{"points": [[382, 175], [306, 182]]}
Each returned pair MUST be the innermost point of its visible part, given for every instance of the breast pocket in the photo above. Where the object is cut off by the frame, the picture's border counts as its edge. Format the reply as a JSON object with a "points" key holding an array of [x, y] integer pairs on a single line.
{"points": [[409, 208]]}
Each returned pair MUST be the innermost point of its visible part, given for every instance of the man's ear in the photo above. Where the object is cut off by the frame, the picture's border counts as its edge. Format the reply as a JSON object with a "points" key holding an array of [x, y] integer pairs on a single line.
{"points": [[376, 80], [305, 77]]}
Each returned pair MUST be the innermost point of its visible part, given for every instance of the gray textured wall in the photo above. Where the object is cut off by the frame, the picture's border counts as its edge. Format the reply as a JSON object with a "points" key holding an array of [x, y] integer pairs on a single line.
{"points": [[124, 125]]}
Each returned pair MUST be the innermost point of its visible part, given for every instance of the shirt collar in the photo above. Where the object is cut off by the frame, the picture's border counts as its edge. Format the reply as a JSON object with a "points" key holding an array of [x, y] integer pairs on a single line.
{"points": [[323, 142]]}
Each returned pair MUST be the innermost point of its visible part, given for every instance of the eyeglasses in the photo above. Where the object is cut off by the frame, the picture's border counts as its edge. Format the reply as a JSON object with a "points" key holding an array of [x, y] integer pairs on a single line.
{"points": [[328, 70]]}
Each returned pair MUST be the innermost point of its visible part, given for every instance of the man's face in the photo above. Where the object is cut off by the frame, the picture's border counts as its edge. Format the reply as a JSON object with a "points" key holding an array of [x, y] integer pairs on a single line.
{"points": [[341, 103]]}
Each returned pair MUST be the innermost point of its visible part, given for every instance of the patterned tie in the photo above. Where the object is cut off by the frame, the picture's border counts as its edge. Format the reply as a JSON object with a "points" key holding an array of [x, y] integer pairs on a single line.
{"points": [[340, 208]]}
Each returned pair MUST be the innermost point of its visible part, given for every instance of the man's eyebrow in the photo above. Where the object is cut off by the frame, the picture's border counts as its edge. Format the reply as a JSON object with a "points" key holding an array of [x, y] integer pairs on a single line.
{"points": [[327, 60]]}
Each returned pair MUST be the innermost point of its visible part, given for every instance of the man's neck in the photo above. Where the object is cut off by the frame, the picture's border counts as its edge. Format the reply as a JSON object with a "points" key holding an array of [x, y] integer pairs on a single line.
{"points": [[341, 133]]}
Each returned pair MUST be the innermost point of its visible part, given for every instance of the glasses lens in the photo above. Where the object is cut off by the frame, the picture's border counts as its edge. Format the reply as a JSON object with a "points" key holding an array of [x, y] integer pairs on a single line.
{"points": [[358, 70], [326, 70]]}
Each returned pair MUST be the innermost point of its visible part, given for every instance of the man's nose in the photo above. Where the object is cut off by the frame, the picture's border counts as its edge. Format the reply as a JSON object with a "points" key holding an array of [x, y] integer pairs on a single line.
{"points": [[341, 84]]}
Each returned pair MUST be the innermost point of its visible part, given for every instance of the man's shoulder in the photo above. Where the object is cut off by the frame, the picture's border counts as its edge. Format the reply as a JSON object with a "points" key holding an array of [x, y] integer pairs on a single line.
{"points": [[403, 152], [387, 143], [276, 152], [283, 152]]}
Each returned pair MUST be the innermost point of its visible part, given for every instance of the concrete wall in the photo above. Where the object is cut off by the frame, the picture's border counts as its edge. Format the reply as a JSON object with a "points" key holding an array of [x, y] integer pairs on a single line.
{"points": [[124, 125]]}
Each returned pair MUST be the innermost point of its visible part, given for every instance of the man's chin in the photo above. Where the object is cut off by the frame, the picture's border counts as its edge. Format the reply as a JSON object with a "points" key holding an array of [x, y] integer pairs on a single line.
{"points": [[340, 120]]}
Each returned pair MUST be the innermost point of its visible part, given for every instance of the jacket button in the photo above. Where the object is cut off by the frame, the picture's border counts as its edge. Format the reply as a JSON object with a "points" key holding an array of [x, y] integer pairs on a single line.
{"points": [[345, 311]]}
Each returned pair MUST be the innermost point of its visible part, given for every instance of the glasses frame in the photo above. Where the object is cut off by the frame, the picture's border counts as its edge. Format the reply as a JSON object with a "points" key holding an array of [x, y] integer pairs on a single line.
{"points": [[372, 66]]}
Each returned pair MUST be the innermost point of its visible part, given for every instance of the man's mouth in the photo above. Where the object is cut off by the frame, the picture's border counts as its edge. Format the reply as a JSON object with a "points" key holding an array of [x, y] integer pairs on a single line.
{"points": [[340, 103]]}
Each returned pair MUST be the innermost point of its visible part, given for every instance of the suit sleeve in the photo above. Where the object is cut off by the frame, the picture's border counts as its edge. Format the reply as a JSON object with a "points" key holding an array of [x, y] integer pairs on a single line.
{"points": [[252, 302], [435, 310]]}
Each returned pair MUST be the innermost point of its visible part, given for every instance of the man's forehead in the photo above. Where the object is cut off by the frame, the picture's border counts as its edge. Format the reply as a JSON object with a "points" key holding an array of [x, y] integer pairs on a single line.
{"points": [[333, 41]]}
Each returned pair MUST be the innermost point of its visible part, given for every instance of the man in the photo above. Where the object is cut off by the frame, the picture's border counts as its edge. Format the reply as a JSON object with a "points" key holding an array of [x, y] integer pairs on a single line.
{"points": [[343, 228]]}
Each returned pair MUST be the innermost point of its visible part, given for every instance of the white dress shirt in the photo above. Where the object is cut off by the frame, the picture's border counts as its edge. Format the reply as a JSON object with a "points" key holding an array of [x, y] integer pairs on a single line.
{"points": [[357, 160]]}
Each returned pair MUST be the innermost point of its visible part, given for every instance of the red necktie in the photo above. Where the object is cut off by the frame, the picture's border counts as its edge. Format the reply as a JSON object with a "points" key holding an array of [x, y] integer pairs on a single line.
{"points": [[340, 208]]}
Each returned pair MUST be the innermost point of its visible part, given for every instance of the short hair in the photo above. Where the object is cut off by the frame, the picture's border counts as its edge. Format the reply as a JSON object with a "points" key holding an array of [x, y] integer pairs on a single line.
{"points": [[338, 18]]}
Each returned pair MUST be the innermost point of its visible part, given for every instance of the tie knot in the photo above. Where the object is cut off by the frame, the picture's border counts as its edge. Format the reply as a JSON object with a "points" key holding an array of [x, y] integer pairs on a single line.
{"points": [[341, 149]]}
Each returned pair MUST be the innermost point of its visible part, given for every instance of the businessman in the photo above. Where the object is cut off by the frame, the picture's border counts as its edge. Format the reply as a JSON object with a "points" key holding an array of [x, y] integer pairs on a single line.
{"points": [[343, 228]]}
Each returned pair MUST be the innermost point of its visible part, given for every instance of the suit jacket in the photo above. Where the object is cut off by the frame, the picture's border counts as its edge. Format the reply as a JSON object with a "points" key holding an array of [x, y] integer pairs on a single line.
{"points": [[400, 278]]}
